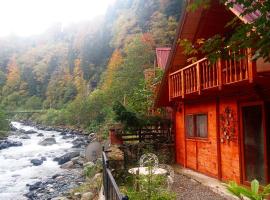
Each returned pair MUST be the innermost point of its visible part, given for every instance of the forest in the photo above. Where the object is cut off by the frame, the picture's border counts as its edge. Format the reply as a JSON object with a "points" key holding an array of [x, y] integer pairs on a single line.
{"points": [[77, 73]]}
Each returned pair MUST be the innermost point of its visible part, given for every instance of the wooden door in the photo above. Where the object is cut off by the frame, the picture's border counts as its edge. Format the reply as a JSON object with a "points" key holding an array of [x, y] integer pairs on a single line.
{"points": [[254, 145]]}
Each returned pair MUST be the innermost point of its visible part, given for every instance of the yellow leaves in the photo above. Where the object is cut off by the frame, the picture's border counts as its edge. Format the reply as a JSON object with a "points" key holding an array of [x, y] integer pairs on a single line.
{"points": [[13, 76], [80, 83], [114, 63]]}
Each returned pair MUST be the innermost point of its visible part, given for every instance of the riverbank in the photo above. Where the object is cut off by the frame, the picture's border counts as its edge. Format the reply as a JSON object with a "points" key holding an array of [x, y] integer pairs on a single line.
{"points": [[49, 163]]}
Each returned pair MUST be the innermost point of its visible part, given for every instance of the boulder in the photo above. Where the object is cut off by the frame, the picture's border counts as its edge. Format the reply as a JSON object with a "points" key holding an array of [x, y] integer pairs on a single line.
{"points": [[8, 143], [79, 142], [87, 196], [25, 137], [91, 136], [66, 157], [30, 132], [36, 162], [43, 158], [55, 176], [68, 136], [93, 151], [67, 165], [47, 142], [63, 133], [12, 127], [40, 135], [35, 186]]}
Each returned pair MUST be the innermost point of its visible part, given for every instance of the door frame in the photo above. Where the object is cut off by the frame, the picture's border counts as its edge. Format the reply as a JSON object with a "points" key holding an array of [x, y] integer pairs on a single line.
{"points": [[242, 134]]}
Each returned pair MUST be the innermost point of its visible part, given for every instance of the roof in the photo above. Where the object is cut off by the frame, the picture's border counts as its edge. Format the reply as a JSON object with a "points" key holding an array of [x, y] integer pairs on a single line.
{"points": [[162, 54], [203, 23], [249, 18]]}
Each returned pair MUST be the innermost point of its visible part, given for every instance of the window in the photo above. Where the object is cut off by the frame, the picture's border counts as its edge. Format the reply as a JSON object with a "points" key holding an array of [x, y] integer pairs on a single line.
{"points": [[196, 126]]}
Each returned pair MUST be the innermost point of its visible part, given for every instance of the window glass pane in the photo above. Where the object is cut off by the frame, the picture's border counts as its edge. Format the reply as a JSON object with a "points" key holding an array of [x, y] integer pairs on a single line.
{"points": [[201, 125], [190, 126]]}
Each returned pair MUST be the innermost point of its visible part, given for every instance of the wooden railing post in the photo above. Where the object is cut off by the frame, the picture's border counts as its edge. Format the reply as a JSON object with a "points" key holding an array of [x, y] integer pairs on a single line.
{"points": [[251, 67], [169, 82], [183, 84], [220, 81], [198, 78]]}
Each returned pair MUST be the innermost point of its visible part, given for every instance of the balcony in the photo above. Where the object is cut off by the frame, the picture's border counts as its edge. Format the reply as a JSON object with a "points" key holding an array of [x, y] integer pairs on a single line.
{"points": [[203, 75]]}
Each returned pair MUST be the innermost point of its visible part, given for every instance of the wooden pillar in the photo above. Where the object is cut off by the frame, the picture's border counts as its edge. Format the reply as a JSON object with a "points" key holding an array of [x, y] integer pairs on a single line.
{"points": [[220, 82], [218, 139], [198, 78], [251, 67]]}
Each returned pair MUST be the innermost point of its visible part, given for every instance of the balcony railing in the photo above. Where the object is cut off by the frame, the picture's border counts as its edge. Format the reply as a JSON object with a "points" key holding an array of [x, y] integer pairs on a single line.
{"points": [[203, 75]]}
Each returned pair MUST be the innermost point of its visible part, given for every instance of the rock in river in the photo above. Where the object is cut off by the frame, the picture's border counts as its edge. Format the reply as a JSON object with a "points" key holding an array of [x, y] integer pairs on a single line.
{"points": [[36, 162], [25, 137], [35, 186], [8, 143], [30, 132], [47, 142], [66, 157]]}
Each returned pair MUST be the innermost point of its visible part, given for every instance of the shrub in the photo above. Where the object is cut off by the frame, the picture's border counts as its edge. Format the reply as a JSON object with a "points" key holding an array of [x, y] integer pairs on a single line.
{"points": [[251, 193]]}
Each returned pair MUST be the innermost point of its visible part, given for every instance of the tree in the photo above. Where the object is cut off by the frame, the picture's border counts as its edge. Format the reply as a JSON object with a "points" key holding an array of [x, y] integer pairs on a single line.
{"points": [[253, 34], [13, 75], [79, 81], [115, 62], [163, 29], [4, 124]]}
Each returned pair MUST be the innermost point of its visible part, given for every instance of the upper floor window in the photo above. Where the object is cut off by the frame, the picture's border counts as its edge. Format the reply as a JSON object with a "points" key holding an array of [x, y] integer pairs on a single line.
{"points": [[196, 126]]}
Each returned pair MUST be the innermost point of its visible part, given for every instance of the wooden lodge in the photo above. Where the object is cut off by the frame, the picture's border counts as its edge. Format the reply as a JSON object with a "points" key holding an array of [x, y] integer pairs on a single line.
{"points": [[221, 110]]}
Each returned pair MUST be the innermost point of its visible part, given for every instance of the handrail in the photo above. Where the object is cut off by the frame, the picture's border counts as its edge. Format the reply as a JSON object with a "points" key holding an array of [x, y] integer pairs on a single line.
{"points": [[203, 75], [111, 190], [195, 63]]}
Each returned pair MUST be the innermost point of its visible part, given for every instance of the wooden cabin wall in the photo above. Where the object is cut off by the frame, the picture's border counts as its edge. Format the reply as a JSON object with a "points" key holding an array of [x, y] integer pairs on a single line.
{"points": [[204, 155], [230, 151], [197, 154], [180, 136]]}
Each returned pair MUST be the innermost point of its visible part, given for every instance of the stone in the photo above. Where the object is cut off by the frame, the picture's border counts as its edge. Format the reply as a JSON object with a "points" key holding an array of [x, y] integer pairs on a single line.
{"points": [[47, 142], [12, 128], [91, 136], [66, 157], [40, 135], [43, 158], [35, 186], [25, 137], [77, 194], [87, 196], [36, 162], [67, 165], [55, 176], [8, 143], [30, 132], [93, 151], [68, 136]]}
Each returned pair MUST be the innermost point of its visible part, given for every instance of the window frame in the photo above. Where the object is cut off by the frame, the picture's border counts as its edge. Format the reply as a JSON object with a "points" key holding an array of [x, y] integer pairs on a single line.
{"points": [[195, 130]]}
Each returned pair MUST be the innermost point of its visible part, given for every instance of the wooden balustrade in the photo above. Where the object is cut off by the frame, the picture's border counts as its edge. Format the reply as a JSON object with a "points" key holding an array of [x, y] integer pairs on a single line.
{"points": [[203, 75]]}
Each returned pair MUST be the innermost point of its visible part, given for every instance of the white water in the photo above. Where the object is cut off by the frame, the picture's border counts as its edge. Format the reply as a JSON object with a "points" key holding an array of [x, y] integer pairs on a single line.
{"points": [[16, 169]]}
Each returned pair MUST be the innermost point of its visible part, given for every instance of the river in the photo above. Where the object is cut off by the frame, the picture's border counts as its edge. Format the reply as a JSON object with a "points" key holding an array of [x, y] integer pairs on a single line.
{"points": [[16, 170]]}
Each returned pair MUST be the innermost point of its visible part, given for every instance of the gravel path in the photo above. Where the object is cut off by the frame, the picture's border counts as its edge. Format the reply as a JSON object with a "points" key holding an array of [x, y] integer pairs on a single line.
{"points": [[189, 189]]}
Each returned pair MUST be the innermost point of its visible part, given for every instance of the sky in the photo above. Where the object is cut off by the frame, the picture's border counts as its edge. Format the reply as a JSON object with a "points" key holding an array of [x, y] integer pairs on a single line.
{"points": [[31, 17]]}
